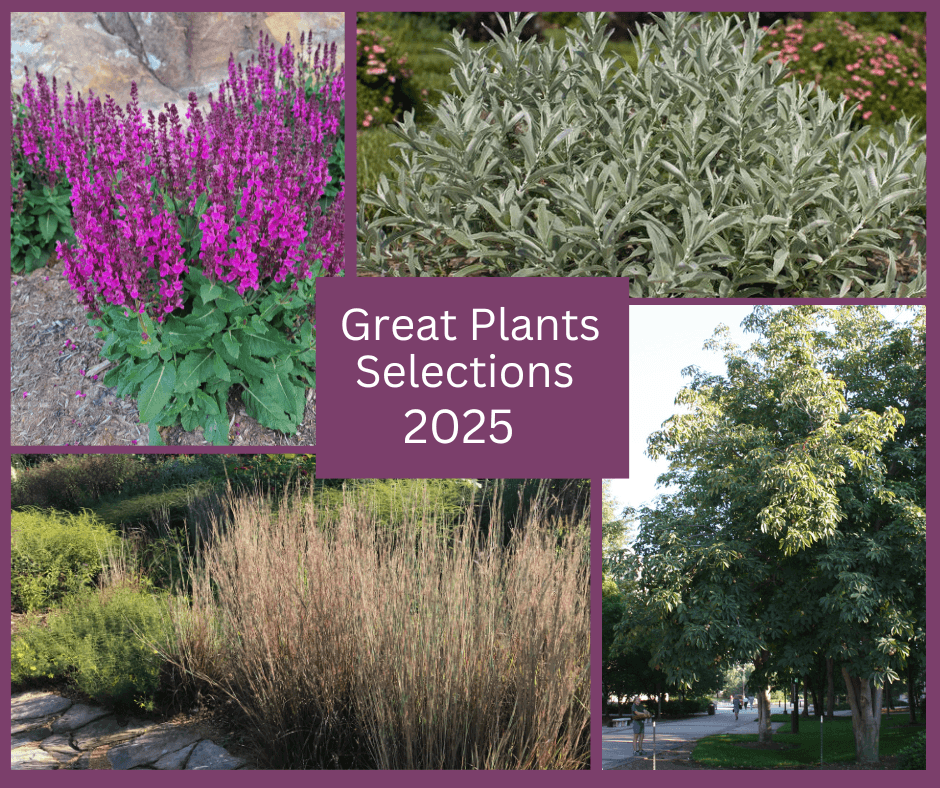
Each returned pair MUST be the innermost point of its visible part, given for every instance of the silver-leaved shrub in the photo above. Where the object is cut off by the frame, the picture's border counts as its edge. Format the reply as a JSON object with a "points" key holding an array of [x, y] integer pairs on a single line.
{"points": [[701, 172]]}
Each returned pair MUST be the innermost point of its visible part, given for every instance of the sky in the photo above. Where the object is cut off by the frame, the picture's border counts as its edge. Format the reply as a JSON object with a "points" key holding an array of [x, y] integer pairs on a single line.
{"points": [[664, 340]]}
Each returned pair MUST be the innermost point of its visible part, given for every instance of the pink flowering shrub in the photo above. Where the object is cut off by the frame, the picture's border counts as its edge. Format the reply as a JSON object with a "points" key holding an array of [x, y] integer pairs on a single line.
{"points": [[883, 74], [382, 89], [197, 243]]}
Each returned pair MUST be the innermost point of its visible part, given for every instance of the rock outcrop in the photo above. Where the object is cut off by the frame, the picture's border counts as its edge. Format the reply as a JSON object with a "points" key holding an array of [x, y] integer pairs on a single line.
{"points": [[168, 54], [50, 732]]}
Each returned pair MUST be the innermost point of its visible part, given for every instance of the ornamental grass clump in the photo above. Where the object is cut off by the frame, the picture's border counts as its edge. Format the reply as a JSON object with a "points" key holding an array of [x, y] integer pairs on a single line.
{"points": [[198, 243], [348, 641], [703, 171]]}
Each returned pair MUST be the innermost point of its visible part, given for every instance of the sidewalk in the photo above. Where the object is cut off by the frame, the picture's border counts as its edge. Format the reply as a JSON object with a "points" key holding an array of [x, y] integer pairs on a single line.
{"points": [[675, 738]]}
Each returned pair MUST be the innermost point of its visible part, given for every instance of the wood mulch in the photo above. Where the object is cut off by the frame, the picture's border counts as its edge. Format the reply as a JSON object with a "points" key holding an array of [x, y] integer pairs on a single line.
{"points": [[57, 397]]}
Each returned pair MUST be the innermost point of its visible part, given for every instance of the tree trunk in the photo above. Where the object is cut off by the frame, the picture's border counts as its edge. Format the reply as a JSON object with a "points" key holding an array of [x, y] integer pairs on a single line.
{"points": [[817, 706], [795, 712], [865, 702], [764, 731], [805, 699], [830, 691]]}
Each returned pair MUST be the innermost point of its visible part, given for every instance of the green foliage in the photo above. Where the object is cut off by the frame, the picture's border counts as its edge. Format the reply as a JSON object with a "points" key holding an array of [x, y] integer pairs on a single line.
{"points": [[374, 154], [269, 472], [53, 555], [383, 87], [73, 481], [701, 172], [679, 707], [166, 472], [395, 501], [561, 18], [914, 756], [794, 512], [886, 22], [104, 642], [41, 216], [883, 73], [336, 164], [183, 370]]}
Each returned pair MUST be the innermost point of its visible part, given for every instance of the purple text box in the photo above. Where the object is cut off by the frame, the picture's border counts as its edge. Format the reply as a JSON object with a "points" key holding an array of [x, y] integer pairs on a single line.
{"points": [[457, 354]]}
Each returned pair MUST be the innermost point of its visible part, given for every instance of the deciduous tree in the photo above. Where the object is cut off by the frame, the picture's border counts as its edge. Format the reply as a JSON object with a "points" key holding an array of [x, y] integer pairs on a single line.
{"points": [[798, 528]]}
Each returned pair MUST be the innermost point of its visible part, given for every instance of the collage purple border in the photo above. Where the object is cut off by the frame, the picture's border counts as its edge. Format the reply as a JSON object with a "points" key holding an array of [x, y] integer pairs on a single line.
{"points": [[595, 778]]}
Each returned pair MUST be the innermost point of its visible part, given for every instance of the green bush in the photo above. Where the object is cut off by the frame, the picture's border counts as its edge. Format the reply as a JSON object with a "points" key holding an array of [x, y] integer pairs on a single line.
{"points": [[104, 642], [914, 756], [682, 708], [270, 472], [383, 89], [396, 501], [40, 217], [704, 171], [883, 74], [73, 481], [171, 472], [54, 554]]}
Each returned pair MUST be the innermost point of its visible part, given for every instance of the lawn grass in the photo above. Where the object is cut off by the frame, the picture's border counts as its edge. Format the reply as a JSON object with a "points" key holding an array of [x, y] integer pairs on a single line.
{"points": [[724, 751]]}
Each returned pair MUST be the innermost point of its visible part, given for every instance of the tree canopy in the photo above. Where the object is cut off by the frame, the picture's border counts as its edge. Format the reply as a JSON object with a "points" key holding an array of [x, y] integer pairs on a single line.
{"points": [[797, 529]]}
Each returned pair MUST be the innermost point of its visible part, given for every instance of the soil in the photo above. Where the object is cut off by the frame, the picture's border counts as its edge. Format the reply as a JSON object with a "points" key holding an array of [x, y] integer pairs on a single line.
{"points": [[57, 397]]}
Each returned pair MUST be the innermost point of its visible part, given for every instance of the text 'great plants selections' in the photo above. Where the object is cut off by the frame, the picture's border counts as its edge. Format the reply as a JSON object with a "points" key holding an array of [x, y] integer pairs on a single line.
{"points": [[448, 377]]}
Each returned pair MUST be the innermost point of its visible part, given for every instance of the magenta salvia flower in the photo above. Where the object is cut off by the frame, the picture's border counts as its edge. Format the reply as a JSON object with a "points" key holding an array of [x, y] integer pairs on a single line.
{"points": [[248, 174]]}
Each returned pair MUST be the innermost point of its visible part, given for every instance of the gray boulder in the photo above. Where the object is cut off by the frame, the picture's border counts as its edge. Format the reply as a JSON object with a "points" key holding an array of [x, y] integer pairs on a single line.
{"points": [[168, 54]]}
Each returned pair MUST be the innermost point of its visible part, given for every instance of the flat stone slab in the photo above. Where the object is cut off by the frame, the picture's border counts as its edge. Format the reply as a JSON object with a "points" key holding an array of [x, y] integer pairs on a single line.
{"points": [[34, 724], [32, 758], [33, 730], [151, 747], [107, 730], [79, 715], [29, 705], [81, 736], [60, 747], [22, 738], [175, 760], [211, 756]]}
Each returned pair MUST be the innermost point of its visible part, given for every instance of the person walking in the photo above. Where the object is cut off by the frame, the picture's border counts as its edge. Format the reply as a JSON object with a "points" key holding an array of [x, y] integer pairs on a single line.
{"points": [[640, 715], [736, 705]]}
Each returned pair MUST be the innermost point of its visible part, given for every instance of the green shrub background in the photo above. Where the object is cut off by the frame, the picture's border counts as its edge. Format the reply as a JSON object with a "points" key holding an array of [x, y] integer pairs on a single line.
{"points": [[55, 554], [106, 642], [882, 69], [71, 481]]}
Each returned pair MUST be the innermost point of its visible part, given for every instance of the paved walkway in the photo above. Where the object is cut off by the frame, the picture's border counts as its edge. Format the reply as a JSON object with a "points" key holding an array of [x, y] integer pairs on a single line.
{"points": [[675, 737], [52, 732]]}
